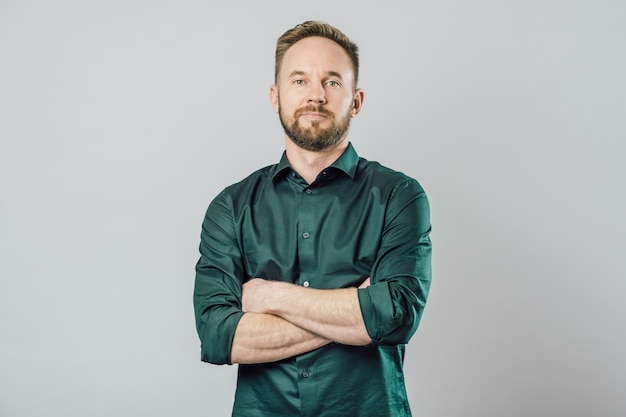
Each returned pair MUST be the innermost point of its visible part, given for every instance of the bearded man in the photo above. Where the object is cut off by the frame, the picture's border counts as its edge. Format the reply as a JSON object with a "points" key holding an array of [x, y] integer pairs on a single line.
{"points": [[314, 272]]}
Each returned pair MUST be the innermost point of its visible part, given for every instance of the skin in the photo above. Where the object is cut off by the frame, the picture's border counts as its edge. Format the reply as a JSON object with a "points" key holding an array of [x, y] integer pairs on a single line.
{"points": [[282, 319]]}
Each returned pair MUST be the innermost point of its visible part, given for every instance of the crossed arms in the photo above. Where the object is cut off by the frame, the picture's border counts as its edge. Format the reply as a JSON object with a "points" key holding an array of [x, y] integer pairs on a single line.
{"points": [[283, 320]]}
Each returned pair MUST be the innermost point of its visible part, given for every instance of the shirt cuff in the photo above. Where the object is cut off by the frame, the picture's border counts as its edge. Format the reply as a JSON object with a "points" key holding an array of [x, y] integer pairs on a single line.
{"points": [[378, 311], [217, 342]]}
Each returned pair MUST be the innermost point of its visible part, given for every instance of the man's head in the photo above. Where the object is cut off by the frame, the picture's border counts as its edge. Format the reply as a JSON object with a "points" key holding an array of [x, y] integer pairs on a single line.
{"points": [[315, 90]]}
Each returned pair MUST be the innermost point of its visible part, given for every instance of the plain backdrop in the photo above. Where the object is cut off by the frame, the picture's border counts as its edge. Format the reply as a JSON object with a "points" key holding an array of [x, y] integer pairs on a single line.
{"points": [[121, 120]]}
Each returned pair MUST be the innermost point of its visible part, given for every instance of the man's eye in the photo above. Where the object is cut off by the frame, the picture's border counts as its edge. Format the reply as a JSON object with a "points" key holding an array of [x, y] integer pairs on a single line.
{"points": [[298, 82], [333, 83]]}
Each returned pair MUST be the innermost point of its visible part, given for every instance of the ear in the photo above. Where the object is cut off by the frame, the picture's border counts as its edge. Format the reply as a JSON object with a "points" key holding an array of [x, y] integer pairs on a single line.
{"points": [[274, 97], [357, 103]]}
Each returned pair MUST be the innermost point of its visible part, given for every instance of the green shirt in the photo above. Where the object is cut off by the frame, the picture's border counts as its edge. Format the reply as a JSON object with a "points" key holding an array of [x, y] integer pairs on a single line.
{"points": [[358, 219]]}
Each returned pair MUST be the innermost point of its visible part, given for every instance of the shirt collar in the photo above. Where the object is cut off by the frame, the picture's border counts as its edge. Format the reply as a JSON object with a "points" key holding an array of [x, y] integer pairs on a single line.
{"points": [[347, 162]]}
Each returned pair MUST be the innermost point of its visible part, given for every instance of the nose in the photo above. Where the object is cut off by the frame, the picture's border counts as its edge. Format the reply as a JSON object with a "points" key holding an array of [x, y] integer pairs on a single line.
{"points": [[317, 94]]}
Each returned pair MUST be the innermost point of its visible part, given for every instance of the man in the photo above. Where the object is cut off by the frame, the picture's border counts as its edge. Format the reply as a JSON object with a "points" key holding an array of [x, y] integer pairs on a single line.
{"points": [[314, 272]]}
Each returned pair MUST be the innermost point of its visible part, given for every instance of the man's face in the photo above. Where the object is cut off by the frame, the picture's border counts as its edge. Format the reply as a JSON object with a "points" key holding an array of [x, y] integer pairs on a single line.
{"points": [[315, 96]]}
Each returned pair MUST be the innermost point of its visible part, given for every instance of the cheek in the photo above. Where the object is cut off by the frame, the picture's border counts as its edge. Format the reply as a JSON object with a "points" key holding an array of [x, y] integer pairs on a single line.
{"points": [[288, 105], [348, 105]]}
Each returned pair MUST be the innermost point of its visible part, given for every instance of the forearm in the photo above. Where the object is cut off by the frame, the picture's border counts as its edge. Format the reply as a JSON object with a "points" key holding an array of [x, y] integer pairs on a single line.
{"points": [[333, 314], [261, 338]]}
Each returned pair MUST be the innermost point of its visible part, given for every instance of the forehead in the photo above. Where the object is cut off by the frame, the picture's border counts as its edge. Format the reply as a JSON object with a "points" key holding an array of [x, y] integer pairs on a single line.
{"points": [[316, 54]]}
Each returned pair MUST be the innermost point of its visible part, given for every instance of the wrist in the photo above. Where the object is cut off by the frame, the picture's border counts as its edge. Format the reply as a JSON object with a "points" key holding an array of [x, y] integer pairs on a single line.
{"points": [[277, 296]]}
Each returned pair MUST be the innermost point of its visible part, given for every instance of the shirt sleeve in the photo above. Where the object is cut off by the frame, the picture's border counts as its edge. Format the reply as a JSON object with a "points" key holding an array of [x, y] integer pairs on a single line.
{"points": [[393, 304], [217, 292]]}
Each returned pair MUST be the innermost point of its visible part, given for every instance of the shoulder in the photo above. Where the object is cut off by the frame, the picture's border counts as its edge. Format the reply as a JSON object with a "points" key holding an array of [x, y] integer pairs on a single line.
{"points": [[247, 188], [252, 180], [231, 199], [386, 178], [403, 196]]}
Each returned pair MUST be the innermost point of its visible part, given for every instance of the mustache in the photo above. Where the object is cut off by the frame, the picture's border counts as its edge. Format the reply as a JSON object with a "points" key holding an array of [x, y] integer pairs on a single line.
{"points": [[313, 109]]}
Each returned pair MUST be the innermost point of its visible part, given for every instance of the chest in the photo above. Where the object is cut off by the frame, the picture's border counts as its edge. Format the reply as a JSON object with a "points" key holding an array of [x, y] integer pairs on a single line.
{"points": [[324, 237]]}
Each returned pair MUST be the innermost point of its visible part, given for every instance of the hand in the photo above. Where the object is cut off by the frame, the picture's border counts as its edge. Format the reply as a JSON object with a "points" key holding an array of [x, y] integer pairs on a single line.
{"points": [[253, 295]]}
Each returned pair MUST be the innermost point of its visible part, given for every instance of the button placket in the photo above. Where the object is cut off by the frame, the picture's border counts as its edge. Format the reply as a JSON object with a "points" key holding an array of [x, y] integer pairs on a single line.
{"points": [[306, 234], [308, 218]]}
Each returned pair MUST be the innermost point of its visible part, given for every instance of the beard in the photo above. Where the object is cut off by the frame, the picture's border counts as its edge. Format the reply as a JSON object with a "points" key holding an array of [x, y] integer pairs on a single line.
{"points": [[315, 138]]}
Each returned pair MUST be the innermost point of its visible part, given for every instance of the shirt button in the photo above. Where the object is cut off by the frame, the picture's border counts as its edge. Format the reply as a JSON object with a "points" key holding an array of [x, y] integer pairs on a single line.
{"points": [[305, 373], [306, 235], [308, 191], [306, 284]]}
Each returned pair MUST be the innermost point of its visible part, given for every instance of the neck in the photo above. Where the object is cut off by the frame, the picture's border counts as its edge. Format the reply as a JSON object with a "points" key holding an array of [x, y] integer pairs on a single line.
{"points": [[308, 164]]}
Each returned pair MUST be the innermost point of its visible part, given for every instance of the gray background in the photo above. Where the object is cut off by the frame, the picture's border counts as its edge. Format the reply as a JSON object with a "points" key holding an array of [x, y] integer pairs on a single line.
{"points": [[121, 120]]}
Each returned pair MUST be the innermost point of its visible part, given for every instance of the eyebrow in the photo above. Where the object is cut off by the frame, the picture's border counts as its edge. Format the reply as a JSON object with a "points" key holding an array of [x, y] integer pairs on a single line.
{"points": [[328, 73]]}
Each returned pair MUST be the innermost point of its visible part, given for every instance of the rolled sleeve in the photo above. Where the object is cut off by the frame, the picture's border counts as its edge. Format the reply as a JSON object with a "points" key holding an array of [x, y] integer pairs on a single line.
{"points": [[393, 304], [217, 291]]}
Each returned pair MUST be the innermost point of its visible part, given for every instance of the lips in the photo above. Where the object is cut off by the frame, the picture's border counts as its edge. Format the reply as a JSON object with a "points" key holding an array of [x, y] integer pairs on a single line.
{"points": [[315, 112], [315, 116]]}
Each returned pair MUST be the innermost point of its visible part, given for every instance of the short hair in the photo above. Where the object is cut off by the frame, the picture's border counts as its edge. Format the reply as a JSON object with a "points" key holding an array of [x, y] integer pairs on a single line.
{"points": [[315, 28]]}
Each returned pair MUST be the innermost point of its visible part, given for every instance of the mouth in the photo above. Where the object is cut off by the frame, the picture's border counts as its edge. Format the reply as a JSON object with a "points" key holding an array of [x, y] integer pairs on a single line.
{"points": [[314, 114]]}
